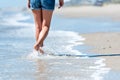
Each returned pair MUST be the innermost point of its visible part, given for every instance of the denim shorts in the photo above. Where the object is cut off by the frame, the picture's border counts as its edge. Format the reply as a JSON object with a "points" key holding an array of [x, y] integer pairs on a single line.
{"points": [[42, 4]]}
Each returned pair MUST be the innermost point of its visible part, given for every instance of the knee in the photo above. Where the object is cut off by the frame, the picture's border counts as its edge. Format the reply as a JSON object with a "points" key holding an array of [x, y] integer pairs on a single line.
{"points": [[46, 29]]}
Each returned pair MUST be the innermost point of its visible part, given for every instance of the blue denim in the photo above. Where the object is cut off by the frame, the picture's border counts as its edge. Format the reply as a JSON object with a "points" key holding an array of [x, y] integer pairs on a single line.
{"points": [[42, 4]]}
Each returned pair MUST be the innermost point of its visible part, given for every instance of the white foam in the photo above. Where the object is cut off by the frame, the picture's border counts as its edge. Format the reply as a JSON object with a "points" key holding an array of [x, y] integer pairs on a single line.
{"points": [[100, 69], [14, 20], [65, 41], [33, 55], [68, 40]]}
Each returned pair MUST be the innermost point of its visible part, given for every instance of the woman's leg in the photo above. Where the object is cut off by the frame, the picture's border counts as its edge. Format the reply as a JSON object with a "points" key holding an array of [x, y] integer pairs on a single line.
{"points": [[38, 22], [38, 26], [46, 16]]}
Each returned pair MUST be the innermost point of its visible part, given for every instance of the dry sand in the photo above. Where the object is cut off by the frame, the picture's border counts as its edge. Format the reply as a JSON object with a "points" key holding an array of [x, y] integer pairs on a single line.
{"points": [[110, 11]]}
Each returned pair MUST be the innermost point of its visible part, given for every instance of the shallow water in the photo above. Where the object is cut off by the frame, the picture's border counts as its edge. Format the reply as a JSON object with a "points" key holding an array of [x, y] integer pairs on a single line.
{"points": [[17, 39]]}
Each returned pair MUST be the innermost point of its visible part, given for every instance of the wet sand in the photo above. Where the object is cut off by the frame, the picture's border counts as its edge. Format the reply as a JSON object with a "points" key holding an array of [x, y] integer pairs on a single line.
{"points": [[113, 63]]}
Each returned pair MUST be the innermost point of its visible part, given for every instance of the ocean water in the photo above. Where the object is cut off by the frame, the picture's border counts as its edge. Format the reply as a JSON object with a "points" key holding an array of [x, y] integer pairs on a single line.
{"points": [[16, 46]]}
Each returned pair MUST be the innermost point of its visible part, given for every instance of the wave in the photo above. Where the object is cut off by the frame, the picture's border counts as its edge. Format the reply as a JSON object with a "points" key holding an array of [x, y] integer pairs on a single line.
{"points": [[66, 40], [15, 20], [59, 43]]}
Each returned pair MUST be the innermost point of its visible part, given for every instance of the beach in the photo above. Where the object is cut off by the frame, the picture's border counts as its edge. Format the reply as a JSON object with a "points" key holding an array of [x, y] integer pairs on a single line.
{"points": [[104, 43], [83, 44], [110, 11]]}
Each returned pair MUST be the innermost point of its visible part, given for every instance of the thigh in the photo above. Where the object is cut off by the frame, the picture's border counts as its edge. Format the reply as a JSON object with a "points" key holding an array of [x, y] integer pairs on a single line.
{"points": [[47, 16], [37, 17]]}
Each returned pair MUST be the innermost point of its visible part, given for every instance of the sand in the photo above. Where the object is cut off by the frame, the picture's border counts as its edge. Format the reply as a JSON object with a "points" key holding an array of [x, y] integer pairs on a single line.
{"points": [[105, 42], [113, 63], [110, 11], [101, 42]]}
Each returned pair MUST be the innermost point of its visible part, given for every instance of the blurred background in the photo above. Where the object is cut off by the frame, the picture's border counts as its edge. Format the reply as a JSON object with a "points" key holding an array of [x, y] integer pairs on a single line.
{"points": [[86, 30], [22, 3]]}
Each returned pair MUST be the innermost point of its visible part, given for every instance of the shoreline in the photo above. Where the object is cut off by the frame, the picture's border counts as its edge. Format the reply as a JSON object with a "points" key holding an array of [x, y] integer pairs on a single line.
{"points": [[103, 42]]}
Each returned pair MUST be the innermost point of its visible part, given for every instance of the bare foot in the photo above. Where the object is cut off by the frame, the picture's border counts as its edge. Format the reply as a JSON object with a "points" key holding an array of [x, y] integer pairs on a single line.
{"points": [[36, 47], [41, 50]]}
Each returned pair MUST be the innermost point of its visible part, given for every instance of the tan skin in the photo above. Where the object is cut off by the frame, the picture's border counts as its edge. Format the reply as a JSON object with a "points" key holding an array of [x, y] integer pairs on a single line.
{"points": [[42, 19]]}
